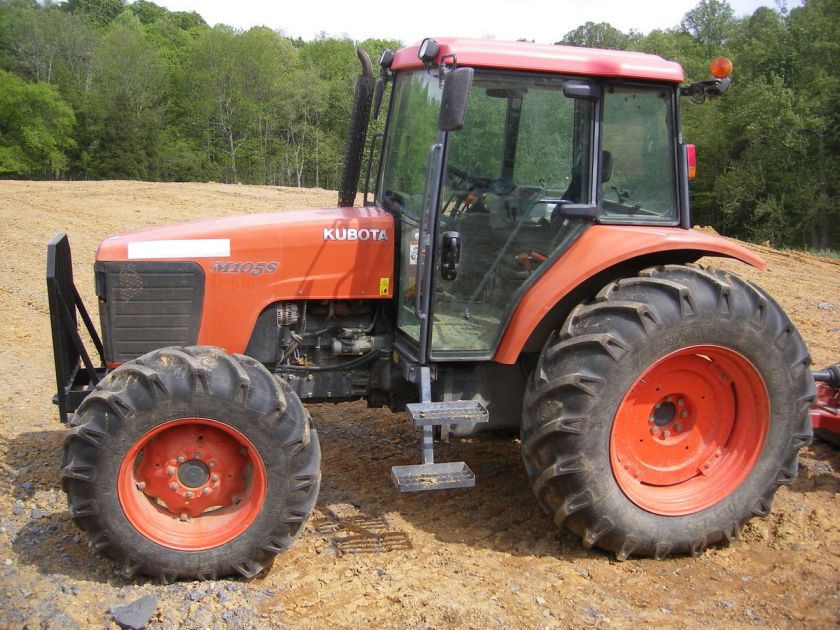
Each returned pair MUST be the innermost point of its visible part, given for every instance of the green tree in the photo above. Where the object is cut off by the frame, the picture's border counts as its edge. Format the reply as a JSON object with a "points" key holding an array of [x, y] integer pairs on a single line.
{"points": [[126, 111], [98, 13], [711, 23], [600, 35], [232, 81], [35, 128]]}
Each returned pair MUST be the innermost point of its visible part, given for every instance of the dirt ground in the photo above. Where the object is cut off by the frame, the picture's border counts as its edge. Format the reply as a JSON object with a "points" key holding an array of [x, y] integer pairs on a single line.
{"points": [[370, 557]]}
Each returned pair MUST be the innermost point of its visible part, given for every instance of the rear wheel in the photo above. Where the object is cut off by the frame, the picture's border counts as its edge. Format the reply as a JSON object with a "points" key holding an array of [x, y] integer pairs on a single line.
{"points": [[666, 413], [191, 463]]}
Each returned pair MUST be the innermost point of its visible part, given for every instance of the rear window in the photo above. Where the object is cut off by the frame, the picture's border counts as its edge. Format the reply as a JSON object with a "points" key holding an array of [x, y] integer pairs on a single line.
{"points": [[638, 134]]}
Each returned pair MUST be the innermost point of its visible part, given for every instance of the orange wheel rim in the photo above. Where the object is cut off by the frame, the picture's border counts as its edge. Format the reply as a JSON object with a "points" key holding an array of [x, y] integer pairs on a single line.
{"points": [[192, 484], [689, 430]]}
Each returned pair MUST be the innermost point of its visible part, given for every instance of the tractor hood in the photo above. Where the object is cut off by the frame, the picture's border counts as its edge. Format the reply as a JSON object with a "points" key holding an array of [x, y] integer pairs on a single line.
{"points": [[332, 253]]}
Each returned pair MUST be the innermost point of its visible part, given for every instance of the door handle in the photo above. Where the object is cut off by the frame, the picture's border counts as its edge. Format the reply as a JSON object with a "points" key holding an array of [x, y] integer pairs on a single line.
{"points": [[450, 255]]}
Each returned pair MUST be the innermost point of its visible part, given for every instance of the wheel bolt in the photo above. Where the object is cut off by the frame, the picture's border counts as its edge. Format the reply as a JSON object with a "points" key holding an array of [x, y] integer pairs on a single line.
{"points": [[211, 463], [173, 486], [683, 414], [197, 456], [680, 402], [205, 491], [214, 478], [678, 427], [141, 485], [181, 459], [657, 405], [171, 471], [666, 433], [654, 430], [188, 494], [669, 399]]}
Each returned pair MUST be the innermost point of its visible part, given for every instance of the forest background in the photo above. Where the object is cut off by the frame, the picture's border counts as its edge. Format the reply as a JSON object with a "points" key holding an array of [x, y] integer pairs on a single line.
{"points": [[104, 89]]}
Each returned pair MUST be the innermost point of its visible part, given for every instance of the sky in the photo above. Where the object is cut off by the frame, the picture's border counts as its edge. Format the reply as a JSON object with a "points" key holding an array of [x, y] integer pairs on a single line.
{"points": [[545, 21]]}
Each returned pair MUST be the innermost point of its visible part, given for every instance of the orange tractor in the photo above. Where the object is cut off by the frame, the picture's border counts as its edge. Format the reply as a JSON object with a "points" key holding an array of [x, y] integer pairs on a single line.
{"points": [[522, 260]]}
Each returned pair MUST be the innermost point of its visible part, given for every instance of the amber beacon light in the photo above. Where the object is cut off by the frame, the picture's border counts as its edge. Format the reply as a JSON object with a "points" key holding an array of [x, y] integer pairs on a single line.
{"points": [[720, 68]]}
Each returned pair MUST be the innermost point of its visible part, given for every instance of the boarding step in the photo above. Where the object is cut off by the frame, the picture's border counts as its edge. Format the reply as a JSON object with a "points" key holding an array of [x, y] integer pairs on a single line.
{"points": [[448, 412], [421, 477]]}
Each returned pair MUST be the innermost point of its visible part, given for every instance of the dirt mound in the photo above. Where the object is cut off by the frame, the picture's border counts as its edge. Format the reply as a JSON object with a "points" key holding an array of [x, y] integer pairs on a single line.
{"points": [[486, 557]]}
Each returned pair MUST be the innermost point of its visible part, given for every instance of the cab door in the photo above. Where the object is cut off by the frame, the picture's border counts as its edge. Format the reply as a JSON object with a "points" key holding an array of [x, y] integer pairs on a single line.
{"points": [[516, 193], [409, 188]]}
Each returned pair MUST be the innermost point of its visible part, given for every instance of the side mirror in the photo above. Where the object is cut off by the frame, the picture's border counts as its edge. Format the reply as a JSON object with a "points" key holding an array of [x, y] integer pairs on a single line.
{"points": [[453, 102], [450, 255]]}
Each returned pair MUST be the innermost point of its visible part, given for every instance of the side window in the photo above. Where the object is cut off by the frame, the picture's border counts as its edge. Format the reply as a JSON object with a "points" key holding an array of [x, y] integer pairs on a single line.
{"points": [[638, 133], [412, 130]]}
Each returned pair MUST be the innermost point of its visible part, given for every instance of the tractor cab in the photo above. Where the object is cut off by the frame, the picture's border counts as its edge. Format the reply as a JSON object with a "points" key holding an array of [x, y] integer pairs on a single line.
{"points": [[535, 157]]}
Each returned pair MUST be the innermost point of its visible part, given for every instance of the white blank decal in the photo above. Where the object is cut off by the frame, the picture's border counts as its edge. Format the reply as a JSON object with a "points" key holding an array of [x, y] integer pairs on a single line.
{"points": [[195, 248]]}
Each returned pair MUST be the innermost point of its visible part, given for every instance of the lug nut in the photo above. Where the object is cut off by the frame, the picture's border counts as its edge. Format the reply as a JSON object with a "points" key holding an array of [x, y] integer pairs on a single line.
{"points": [[188, 494], [654, 430], [171, 471], [173, 486], [666, 433], [214, 478], [669, 399], [205, 491], [678, 427], [181, 459], [652, 419], [680, 402], [683, 414], [197, 456], [211, 463]]}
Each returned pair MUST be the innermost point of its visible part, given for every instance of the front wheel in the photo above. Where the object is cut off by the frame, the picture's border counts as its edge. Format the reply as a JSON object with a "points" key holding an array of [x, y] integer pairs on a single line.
{"points": [[191, 463], [666, 413]]}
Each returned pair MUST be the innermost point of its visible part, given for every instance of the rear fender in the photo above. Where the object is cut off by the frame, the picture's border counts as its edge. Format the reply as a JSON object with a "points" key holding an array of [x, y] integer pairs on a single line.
{"points": [[602, 254]]}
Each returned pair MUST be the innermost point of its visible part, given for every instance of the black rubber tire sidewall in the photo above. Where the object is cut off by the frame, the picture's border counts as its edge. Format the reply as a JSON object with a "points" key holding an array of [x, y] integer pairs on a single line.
{"points": [[275, 437], [608, 518]]}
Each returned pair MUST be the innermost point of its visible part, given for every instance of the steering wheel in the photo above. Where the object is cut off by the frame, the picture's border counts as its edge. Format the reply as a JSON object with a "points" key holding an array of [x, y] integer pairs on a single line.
{"points": [[458, 176]]}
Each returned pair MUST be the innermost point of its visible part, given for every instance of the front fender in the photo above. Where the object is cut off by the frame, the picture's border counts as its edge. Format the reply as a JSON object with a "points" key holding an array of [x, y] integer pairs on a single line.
{"points": [[600, 248]]}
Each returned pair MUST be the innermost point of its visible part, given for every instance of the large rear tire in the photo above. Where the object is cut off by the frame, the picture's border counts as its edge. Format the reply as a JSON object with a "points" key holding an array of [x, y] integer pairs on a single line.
{"points": [[667, 412], [191, 463]]}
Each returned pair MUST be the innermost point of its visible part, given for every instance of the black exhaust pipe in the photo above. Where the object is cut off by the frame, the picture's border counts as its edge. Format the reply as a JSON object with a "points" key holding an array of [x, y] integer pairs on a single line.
{"points": [[356, 133]]}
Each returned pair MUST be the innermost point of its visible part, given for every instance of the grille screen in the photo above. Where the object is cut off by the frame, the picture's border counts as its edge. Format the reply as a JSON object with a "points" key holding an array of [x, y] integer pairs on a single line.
{"points": [[144, 306]]}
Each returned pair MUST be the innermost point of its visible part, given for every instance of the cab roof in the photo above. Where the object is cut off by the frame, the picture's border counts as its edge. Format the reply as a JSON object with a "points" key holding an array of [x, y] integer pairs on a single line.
{"points": [[490, 53]]}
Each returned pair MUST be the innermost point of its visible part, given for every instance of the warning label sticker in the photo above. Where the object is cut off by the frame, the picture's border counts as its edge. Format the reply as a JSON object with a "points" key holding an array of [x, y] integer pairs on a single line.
{"points": [[384, 286]]}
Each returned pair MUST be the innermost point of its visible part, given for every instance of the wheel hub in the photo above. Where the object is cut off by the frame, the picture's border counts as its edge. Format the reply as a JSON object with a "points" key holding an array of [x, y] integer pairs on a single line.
{"points": [[663, 413], [193, 473]]}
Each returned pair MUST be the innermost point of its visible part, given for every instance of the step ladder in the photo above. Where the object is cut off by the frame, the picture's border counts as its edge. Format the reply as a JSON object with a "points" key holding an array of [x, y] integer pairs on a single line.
{"points": [[427, 414]]}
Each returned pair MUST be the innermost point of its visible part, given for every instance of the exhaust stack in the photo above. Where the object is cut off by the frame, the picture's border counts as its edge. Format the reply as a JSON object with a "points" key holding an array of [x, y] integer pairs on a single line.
{"points": [[356, 133]]}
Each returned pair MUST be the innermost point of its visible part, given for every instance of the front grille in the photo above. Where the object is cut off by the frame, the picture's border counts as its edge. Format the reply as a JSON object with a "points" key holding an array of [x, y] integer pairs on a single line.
{"points": [[144, 306]]}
